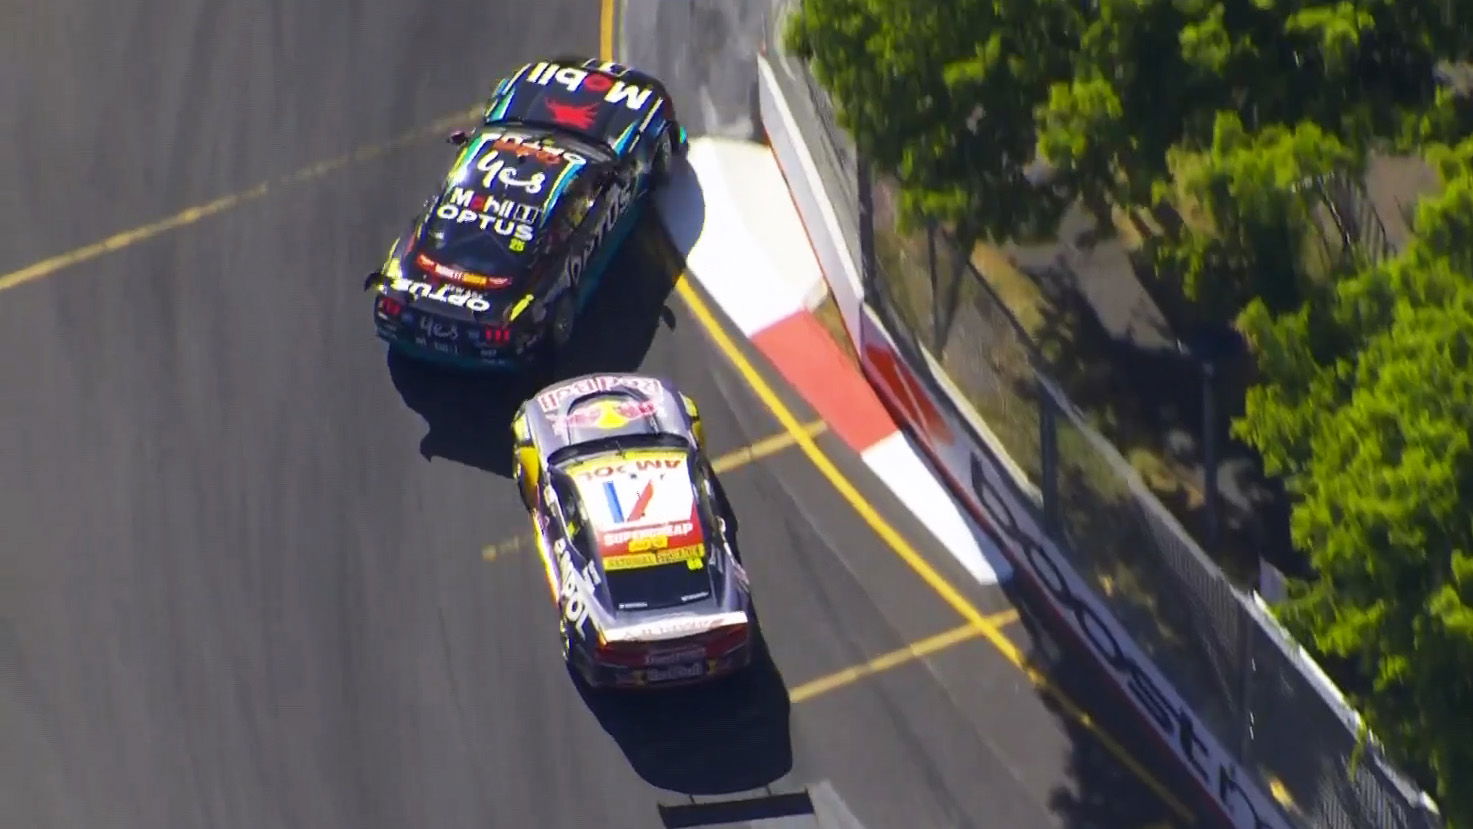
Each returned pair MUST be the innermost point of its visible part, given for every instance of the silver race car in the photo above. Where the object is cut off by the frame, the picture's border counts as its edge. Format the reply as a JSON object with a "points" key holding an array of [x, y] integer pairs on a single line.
{"points": [[633, 531]]}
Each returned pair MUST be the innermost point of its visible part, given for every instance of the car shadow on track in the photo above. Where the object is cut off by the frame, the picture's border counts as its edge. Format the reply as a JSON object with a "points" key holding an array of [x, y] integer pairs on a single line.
{"points": [[468, 413], [728, 736]]}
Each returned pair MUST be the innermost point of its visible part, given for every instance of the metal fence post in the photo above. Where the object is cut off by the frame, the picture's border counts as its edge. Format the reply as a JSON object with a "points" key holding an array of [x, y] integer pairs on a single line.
{"points": [[1210, 454], [1248, 665], [866, 222], [1048, 458]]}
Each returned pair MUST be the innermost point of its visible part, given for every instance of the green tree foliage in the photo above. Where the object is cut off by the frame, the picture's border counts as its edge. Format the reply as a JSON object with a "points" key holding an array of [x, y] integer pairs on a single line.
{"points": [[942, 94], [958, 97], [1366, 409], [1259, 230]]}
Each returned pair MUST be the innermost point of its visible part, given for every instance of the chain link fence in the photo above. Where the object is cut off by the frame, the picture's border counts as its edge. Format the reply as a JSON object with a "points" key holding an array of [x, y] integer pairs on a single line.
{"points": [[1223, 652]]}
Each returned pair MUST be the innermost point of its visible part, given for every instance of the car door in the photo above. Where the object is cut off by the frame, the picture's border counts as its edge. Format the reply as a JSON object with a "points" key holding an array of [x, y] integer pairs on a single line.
{"points": [[585, 217]]}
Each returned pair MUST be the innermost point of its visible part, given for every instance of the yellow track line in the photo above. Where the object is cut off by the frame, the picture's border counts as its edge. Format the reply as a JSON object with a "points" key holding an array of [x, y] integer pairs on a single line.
{"points": [[191, 215], [903, 548], [881, 527], [900, 656], [763, 448], [606, 29]]}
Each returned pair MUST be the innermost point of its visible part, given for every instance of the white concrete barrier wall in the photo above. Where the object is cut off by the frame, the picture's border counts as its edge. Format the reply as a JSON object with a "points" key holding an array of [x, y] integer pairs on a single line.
{"points": [[811, 199], [948, 430]]}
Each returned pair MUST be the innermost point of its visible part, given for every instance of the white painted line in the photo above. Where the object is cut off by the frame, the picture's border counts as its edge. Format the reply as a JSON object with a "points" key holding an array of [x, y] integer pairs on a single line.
{"points": [[897, 462], [830, 809]]}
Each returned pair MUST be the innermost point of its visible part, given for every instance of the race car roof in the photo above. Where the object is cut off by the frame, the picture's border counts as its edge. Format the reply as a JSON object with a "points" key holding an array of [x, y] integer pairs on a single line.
{"points": [[604, 101], [641, 508], [496, 202]]}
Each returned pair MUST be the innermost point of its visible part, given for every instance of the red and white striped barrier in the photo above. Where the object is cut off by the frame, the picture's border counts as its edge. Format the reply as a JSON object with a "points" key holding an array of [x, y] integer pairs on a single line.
{"points": [[731, 214], [981, 478]]}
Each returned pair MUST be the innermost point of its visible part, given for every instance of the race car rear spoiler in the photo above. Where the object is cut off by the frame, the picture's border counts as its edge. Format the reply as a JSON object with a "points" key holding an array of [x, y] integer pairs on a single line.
{"points": [[674, 628]]}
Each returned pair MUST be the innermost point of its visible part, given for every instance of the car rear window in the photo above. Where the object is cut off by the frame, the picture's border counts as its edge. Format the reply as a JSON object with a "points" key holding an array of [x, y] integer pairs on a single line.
{"points": [[466, 246], [661, 586]]}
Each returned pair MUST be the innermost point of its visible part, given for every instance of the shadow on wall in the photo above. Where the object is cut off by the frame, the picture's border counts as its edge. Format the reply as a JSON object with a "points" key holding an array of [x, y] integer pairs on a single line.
{"points": [[468, 414], [729, 736]]}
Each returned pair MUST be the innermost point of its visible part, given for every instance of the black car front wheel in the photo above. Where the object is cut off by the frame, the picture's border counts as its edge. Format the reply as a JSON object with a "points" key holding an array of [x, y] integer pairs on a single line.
{"points": [[660, 168]]}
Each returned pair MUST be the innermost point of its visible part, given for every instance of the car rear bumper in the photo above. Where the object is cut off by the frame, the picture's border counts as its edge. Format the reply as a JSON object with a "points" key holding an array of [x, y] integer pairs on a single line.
{"points": [[708, 669], [461, 355]]}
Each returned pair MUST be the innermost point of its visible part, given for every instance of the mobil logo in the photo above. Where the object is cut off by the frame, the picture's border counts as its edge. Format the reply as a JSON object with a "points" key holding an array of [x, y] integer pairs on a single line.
{"points": [[574, 79]]}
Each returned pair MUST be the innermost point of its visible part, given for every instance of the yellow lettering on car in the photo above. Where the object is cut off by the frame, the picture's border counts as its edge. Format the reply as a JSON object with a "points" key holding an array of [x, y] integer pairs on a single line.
{"points": [[629, 561], [693, 555], [654, 542]]}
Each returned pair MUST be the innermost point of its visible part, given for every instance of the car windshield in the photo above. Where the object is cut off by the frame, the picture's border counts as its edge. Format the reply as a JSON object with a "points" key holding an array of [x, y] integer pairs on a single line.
{"points": [[661, 586], [612, 445], [535, 130]]}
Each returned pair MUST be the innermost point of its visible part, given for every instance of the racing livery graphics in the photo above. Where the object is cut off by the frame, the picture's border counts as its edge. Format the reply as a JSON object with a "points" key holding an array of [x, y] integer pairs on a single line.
{"points": [[634, 534], [497, 267]]}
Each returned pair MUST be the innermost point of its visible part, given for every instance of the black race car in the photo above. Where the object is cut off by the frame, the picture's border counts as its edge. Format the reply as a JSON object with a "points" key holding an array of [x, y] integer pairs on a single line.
{"points": [[498, 265], [634, 532]]}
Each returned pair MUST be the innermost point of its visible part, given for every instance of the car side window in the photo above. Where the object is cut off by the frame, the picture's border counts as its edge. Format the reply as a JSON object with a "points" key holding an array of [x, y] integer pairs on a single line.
{"points": [[574, 520], [577, 202]]}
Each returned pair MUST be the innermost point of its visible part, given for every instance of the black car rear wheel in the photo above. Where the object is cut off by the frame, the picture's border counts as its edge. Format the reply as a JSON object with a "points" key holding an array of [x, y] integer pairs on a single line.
{"points": [[559, 331], [564, 317]]}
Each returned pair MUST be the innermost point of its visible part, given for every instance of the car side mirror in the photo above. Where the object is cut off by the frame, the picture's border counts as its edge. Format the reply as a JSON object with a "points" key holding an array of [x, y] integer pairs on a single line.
{"points": [[372, 279], [459, 138]]}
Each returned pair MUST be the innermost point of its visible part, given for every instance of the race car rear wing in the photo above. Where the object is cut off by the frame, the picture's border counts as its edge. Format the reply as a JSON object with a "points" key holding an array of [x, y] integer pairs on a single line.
{"points": [[674, 628]]}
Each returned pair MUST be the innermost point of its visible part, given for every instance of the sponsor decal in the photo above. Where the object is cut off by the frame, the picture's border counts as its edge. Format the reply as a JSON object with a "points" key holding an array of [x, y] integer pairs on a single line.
{"points": [[693, 555], [573, 79], [906, 392], [573, 115], [550, 400], [690, 671], [501, 208], [986, 490], [463, 215], [609, 470], [448, 294], [502, 216], [470, 280], [688, 625], [611, 414], [577, 589], [619, 198], [660, 531], [545, 153], [439, 330], [666, 657]]}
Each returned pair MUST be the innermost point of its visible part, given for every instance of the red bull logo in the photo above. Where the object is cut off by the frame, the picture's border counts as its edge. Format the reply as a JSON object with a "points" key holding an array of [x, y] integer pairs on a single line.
{"points": [[610, 414]]}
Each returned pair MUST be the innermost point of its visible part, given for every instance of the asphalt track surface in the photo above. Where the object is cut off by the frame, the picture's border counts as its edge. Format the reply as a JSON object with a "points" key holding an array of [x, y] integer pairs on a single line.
{"points": [[244, 581]]}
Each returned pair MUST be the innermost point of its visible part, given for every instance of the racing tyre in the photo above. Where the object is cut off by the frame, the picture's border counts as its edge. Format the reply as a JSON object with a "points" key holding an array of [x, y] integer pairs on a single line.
{"points": [[660, 170], [559, 330], [519, 475]]}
